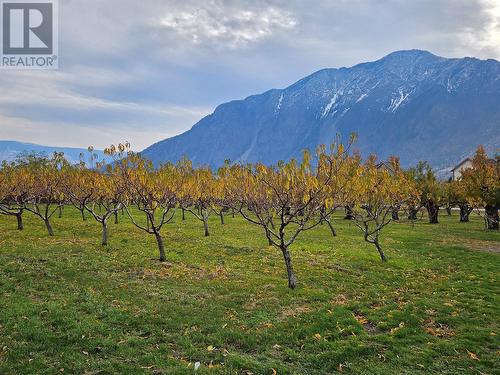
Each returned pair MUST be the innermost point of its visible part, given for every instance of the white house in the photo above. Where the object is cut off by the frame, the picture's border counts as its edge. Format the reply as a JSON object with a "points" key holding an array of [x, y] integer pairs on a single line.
{"points": [[456, 172]]}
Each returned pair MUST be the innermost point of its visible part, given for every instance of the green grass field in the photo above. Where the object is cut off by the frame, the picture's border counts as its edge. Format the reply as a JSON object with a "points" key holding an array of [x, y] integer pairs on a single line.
{"points": [[68, 305]]}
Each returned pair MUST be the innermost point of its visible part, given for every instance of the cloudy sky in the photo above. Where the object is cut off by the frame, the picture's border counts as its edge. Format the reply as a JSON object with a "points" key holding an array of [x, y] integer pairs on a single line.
{"points": [[145, 70]]}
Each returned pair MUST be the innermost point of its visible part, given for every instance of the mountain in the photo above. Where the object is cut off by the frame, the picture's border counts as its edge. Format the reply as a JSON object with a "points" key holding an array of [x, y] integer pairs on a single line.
{"points": [[9, 150], [409, 103]]}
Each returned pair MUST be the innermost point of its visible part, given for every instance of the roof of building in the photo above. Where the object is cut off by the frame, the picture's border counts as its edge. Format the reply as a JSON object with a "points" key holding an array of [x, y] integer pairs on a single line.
{"points": [[461, 163], [387, 165]]}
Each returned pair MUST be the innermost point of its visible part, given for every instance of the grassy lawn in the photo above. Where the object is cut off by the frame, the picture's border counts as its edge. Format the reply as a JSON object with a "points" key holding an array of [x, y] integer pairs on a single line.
{"points": [[68, 305]]}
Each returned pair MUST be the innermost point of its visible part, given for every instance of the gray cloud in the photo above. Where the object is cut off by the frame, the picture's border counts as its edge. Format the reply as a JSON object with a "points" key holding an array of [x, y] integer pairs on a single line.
{"points": [[226, 27]]}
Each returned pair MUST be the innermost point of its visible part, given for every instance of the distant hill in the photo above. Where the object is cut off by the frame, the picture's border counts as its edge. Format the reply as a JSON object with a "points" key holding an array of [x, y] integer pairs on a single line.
{"points": [[410, 103], [9, 150]]}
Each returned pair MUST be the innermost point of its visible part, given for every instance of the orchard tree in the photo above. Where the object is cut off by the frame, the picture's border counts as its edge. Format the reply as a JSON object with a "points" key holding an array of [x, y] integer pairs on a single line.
{"points": [[108, 195], [79, 197], [284, 200], [413, 209], [87, 188], [482, 186], [201, 192], [337, 170], [13, 192], [432, 192], [44, 194], [457, 196], [73, 181], [379, 191], [278, 200], [153, 192]]}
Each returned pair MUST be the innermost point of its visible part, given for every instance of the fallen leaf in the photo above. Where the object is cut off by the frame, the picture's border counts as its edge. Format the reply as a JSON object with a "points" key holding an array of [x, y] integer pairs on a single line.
{"points": [[210, 348], [361, 319], [473, 356]]}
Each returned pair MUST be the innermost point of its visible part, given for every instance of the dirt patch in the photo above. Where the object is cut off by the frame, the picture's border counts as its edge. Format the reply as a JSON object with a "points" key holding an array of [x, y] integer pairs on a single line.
{"points": [[177, 270], [339, 299], [260, 300], [294, 311], [369, 327], [479, 245]]}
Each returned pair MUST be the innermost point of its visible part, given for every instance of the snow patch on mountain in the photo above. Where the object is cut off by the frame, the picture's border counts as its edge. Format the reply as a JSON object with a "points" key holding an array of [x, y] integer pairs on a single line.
{"points": [[278, 106], [329, 106], [361, 97], [396, 102]]}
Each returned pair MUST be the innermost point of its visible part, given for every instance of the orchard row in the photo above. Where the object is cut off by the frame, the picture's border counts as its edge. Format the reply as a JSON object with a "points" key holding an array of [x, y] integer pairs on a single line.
{"points": [[284, 200]]}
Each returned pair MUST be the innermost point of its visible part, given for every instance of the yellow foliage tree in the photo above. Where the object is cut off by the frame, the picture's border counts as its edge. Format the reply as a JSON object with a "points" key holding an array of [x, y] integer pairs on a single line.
{"points": [[481, 185], [379, 189]]}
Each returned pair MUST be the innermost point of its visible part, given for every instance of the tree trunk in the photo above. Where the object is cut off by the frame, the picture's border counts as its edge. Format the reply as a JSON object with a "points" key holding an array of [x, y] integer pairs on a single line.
{"points": [[332, 229], [380, 251], [492, 219], [104, 233], [268, 236], [433, 211], [116, 216], [395, 214], [49, 227], [161, 247], [348, 213], [292, 281], [448, 211], [221, 218], [464, 212], [412, 214], [19, 217], [83, 214], [60, 211], [205, 225], [232, 210], [183, 214]]}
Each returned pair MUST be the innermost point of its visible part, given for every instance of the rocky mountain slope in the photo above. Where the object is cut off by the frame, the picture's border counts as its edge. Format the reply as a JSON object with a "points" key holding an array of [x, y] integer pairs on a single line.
{"points": [[409, 103]]}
